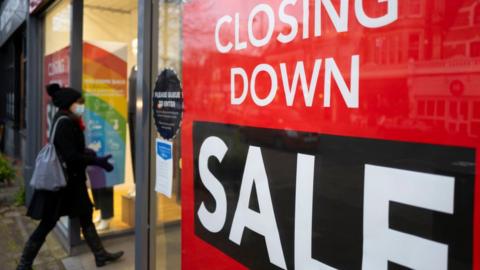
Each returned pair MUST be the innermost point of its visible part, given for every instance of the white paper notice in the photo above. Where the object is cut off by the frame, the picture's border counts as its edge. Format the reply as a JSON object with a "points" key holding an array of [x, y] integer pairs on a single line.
{"points": [[164, 168]]}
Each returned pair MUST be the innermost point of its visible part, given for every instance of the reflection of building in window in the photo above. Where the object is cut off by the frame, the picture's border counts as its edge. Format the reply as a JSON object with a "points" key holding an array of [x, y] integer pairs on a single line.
{"points": [[442, 81], [381, 50], [415, 8], [476, 14], [462, 36], [414, 46], [391, 50], [456, 115], [412, 37], [169, 40], [444, 92], [420, 39], [475, 49], [386, 50]]}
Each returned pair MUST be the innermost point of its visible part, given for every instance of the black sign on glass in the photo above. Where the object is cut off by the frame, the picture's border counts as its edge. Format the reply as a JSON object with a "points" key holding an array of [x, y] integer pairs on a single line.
{"points": [[167, 104], [346, 179]]}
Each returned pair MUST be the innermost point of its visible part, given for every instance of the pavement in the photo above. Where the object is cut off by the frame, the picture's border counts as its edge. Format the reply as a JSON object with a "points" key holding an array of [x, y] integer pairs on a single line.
{"points": [[168, 254], [85, 260], [15, 228]]}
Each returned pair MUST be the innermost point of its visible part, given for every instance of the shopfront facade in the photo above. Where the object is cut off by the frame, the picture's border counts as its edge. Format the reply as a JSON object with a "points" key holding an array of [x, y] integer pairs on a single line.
{"points": [[94, 46], [271, 134], [12, 74]]}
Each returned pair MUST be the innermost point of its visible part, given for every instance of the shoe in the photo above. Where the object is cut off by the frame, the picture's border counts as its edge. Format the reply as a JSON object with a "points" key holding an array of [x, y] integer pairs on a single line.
{"points": [[97, 218], [103, 225], [30, 251], [102, 257]]}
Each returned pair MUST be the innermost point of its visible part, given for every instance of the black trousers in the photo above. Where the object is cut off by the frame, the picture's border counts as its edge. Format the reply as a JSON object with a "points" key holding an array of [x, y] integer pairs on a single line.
{"points": [[103, 200], [46, 225]]}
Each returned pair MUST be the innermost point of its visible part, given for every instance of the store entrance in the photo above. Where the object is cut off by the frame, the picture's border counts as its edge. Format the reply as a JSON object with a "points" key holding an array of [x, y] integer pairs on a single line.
{"points": [[167, 72], [109, 81]]}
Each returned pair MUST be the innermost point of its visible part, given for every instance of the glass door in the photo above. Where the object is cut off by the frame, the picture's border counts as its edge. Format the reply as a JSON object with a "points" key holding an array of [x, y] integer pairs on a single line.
{"points": [[109, 85], [166, 162]]}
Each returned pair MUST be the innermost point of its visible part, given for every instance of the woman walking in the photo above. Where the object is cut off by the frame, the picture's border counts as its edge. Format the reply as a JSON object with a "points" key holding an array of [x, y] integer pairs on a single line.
{"points": [[72, 200]]}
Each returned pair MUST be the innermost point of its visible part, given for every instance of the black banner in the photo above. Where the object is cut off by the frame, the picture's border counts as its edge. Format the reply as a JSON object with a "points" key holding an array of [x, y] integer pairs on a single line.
{"points": [[167, 104], [426, 190]]}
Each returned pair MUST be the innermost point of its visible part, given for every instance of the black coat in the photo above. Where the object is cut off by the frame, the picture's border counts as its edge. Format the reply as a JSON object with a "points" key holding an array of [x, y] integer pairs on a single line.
{"points": [[73, 200]]}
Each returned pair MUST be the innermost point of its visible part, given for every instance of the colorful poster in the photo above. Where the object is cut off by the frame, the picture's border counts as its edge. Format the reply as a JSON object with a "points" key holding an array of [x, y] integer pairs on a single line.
{"points": [[56, 70], [105, 90]]}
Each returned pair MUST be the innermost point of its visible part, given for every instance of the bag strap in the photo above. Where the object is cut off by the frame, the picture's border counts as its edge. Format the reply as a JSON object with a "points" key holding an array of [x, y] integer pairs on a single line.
{"points": [[52, 133]]}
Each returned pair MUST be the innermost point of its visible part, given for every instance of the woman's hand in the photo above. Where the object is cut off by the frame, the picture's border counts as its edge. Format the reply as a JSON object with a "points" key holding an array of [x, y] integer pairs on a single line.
{"points": [[103, 162]]}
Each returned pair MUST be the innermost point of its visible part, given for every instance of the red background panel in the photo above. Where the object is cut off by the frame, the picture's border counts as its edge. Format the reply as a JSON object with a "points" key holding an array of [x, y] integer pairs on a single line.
{"points": [[419, 82]]}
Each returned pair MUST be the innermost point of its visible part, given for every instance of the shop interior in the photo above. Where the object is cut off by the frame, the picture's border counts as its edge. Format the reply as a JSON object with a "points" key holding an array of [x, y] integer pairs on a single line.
{"points": [[109, 81]]}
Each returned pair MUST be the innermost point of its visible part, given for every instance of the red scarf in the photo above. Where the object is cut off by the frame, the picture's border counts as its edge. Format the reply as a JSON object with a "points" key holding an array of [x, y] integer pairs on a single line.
{"points": [[80, 123], [77, 119]]}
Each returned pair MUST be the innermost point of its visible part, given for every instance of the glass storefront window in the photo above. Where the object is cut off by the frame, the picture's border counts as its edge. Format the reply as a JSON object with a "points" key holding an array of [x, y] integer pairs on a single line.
{"points": [[109, 81], [316, 134], [331, 124], [56, 61], [330, 134], [170, 43]]}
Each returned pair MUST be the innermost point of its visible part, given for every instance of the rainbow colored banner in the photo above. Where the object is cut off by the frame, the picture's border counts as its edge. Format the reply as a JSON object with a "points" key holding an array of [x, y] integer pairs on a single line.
{"points": [[105, 90]]}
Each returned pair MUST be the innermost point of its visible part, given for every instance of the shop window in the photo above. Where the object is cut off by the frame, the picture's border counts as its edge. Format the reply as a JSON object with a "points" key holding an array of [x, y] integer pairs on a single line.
{"points": [[455, 50], [475, 49], [430, 108], [464, 114], [475, 119], [414, 46], [415, 8], [396, 50], [475, 129], [421, 107], [440, 108], [167, 197], [476, 110], [10, 75], [380, 51], [109, 81], [476, 15], [453, 109], [391, 51]]}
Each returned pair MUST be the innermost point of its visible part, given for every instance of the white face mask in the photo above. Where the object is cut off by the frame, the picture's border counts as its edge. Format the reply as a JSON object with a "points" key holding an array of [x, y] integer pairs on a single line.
{"points": [[79, 109]]}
